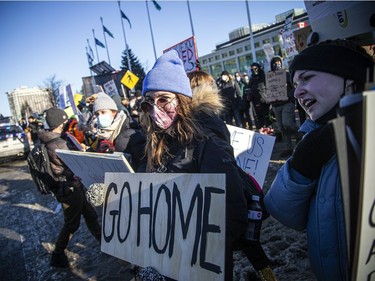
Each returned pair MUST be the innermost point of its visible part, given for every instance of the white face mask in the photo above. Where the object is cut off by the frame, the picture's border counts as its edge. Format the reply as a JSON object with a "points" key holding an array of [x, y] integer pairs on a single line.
{"points": [[225, 78], [105, 120], [238, 79]]}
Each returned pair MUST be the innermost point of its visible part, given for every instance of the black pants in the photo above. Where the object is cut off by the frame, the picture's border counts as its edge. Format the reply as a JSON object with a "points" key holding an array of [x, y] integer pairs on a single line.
{"points": [[75, 204]]}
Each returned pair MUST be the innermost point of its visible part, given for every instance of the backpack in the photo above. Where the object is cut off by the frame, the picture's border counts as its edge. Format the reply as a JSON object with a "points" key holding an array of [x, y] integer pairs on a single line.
{"points": [[251, 186], [40, 168]]}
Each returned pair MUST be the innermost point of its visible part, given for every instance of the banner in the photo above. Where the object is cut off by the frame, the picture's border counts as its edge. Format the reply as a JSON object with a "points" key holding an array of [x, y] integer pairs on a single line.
{"points": [[276, 86], [252, 151], [172, 222], [187, 51]]}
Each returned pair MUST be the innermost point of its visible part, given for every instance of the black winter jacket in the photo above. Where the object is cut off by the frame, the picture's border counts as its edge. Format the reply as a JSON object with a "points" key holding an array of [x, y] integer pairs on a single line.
{"points": [[212, 155], [63, 175]]}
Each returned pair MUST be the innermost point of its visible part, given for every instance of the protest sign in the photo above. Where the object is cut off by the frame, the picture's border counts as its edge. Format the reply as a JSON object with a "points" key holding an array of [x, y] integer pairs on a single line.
{"points": [[187, 52], [252, 151], [110, 88], [276, 86], [364, 259], [174, 223], [91, 167]]}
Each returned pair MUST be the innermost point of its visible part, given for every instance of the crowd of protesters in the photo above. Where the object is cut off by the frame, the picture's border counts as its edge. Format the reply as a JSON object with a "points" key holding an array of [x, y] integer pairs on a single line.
{"points": [[174, 115]]}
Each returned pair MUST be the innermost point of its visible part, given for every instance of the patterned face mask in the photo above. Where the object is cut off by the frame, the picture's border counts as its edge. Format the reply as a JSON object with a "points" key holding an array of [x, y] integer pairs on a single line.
{"points": [[163, 119]]}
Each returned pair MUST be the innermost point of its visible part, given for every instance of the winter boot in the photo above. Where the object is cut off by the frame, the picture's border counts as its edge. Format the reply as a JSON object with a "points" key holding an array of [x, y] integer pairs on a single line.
{"points": [[59, 260], [266, 274]]}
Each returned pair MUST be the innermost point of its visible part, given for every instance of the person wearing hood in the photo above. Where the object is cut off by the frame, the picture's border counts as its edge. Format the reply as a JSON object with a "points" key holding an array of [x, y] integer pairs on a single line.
{"points": [[284, 110], [257, 91], [113, 130], [231, 95], [174, 119], [306, 193], [199, 80], [67, 189]]}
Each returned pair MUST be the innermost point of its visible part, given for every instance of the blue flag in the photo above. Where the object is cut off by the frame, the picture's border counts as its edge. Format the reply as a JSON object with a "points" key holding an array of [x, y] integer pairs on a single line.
{"points": [[125, 17], [97, 42], [157, 6], [107, 31]]}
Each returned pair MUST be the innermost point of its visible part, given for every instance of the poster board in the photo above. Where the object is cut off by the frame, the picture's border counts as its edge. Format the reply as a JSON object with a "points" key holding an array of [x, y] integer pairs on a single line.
{"points": [[276, 86], [110, 88], [187, 51], [364, 258], [91, 167], [252, 151], [172, 222]]}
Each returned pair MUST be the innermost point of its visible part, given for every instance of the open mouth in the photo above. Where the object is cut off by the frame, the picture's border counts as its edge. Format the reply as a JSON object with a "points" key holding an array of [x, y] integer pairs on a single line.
{"points": [[308, 103]]}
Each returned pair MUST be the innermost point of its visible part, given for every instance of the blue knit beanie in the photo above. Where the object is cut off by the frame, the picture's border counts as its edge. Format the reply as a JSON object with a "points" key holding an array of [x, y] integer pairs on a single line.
{"points": [[168, 74]]}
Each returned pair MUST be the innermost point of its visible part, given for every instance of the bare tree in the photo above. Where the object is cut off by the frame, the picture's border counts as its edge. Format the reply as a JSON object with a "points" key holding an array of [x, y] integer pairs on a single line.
{"points": [[52, 85]]}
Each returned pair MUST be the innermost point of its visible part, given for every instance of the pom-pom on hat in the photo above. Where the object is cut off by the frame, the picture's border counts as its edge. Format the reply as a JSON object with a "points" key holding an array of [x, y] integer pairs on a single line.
{"points": [[168, 74], [103, 101], [55, 117], [341, 57]]}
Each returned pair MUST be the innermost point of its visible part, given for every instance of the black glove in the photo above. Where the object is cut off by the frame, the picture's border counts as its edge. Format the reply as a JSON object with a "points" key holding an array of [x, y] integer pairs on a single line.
{"points": [[313, 151]]}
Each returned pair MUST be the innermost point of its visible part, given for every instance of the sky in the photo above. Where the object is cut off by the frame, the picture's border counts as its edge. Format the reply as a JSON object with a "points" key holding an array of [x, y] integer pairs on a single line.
{"points": [[41, 39]]}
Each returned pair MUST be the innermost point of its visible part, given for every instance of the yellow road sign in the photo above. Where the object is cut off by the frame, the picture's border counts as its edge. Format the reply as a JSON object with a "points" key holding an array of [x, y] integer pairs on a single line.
{"points": [[129, 79]]}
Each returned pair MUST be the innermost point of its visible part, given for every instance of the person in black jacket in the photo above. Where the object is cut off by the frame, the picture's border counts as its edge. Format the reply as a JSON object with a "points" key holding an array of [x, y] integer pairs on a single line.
{"points": [[176, 121], [257, 89], [199, 80], [113, 130], [68, 189]]}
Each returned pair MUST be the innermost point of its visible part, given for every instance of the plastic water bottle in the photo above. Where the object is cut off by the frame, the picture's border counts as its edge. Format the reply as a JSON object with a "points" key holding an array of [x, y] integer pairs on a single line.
{"points": [[254, 217]]}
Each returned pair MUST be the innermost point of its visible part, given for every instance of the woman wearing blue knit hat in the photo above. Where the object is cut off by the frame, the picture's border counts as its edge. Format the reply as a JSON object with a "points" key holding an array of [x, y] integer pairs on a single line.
{"points": [[178, 126]]}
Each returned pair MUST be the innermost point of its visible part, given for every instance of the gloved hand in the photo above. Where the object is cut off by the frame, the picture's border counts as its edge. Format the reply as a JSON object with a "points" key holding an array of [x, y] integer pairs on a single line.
{"points": [[313, 151]]}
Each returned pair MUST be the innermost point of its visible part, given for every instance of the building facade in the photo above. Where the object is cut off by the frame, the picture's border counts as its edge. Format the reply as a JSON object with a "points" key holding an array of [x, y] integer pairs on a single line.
{"points": [[30, 100], [236, 54]]}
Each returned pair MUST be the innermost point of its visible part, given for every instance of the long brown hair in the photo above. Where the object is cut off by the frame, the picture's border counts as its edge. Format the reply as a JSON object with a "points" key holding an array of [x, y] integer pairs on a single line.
{"points": [[184, 130]]}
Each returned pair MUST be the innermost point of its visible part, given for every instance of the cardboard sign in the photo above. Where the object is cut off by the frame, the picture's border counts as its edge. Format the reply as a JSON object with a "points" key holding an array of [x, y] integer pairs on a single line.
{"points": [[252, 151], [276, 86], [187, 52], [174, 223], [91, 167], [364, 261], [129, 80], [110, 88], [300, 37]]}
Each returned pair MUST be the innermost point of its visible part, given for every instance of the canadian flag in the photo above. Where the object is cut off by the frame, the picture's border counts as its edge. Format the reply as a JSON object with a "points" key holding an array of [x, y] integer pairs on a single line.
{"points": [[301, 24]]}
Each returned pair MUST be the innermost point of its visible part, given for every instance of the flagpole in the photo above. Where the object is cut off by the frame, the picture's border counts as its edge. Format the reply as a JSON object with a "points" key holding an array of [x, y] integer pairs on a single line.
{"points": [[152, 35], [251, 33], [191, 21], [126, 44], [96, 47], [105, 40]]}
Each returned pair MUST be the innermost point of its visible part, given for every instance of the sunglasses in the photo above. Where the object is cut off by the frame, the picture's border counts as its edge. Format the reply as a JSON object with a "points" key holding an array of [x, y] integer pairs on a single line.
{"points": [[163, 103]]}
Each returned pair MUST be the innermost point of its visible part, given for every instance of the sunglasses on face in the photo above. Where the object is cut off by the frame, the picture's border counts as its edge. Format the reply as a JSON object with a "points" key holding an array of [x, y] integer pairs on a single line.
{"points": [[163, 103]]}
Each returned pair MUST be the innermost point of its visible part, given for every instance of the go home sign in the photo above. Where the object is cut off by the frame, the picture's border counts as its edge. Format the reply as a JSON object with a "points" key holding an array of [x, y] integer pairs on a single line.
{"points": [[172, 222]]}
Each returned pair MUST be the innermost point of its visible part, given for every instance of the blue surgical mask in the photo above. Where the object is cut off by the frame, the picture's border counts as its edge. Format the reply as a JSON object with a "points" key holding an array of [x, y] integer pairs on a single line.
{"points": [[105, 120]]}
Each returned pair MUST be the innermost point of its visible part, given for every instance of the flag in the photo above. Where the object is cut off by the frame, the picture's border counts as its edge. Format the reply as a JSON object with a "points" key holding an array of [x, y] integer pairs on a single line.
{"points": [[125, 17], [108, 32], [89, 58], [91, 53], [157, 6], [97, 42]]}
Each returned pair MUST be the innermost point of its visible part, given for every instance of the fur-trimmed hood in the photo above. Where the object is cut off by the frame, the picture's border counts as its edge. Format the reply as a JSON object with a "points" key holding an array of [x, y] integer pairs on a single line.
{"points": [[207, 106]]}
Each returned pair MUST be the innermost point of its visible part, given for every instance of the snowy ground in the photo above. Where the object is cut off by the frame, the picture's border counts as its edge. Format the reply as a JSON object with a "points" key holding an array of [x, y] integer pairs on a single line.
{"points": [[30, 223]]}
